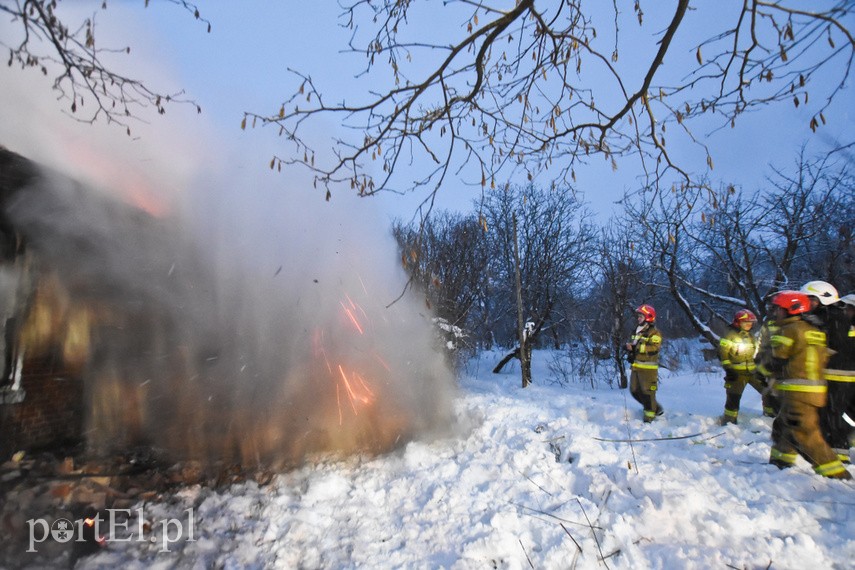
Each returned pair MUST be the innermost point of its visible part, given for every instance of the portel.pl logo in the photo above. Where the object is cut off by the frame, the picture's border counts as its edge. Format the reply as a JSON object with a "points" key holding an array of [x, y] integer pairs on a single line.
{"points": [[113, 525]]}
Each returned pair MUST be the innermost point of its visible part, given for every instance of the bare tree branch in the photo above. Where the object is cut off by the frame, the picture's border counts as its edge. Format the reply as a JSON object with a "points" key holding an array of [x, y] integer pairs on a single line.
{"points": [[93, 89], [533, 91]]}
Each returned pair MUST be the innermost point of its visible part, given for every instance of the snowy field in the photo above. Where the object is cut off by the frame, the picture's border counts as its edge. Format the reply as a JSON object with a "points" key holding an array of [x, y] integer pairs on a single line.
{"points": [[547, 477]]}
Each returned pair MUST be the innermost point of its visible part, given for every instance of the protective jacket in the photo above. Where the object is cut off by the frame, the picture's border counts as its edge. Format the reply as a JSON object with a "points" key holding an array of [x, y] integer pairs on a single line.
{"points": [[840, 375], [646, 343], [841, 341], [763, 358], [736, 350], [800, 355], [799, 358], [644, 379]]}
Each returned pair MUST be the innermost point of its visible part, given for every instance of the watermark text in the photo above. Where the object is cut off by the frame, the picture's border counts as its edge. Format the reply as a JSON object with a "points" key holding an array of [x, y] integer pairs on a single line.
{"points": [[113, 525]]}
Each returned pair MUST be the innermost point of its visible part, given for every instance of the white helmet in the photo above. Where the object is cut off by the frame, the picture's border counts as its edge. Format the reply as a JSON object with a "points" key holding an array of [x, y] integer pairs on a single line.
{"points": [[848, 299], [825, 292]]}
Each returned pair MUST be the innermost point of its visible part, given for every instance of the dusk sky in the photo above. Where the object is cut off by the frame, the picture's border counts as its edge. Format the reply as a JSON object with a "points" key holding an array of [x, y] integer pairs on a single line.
{"points": [[241, 66]]}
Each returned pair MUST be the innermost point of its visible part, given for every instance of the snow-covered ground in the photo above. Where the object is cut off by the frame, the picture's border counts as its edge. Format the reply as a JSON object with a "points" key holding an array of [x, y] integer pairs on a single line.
{"points": [[544, 477]]}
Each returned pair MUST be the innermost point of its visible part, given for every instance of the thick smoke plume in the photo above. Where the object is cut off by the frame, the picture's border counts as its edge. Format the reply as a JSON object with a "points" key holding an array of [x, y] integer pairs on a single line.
{"points": [[234, 330]]}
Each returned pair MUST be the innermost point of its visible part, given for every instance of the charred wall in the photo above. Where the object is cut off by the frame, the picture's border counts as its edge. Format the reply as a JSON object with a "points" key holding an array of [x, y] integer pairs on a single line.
{"points": [[48, 412], [41, 402], [181, 334]]}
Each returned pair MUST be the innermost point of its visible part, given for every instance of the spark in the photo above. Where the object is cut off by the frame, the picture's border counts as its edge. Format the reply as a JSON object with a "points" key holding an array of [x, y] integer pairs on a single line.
{"points": [[361, 282], [320, 351], [382, 362], [365, 396], [352, 317], [338, 401]]}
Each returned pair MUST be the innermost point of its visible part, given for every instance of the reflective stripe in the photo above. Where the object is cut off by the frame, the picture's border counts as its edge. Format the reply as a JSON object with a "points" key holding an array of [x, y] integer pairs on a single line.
{"points": [[744, 367], [782, 340], [777, 455], [768, 410], [725, 362], [839, 375], [645, 365], [831, 468], [813, 389], [802, 385], [725, 343], [815, 337], [763, 370], [649, 414], [731, 413]]}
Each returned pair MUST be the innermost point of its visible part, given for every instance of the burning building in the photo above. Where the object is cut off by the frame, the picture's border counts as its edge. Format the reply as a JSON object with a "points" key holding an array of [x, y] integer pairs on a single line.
{"points": [[160, 341]]}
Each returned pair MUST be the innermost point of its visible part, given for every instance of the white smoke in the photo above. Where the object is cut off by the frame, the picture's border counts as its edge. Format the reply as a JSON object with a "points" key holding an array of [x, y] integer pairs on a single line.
{"points": [[252, 324], [230, 313]]}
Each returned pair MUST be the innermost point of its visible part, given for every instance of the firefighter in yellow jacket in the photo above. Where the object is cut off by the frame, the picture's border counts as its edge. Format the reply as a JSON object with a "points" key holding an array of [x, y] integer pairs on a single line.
{"points": [[768, 329], [737, 349], [644, 356], [799, 354]]}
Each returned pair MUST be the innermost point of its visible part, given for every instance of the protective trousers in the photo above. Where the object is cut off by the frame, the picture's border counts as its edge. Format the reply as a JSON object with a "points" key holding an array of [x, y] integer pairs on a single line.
{"points": [[734, 385], [796, 431], [841, 400], [642, 386]]}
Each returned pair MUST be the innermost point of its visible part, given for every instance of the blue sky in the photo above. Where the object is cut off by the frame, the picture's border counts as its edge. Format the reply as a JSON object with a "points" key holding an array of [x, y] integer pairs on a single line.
{"points": [[241, 66]]}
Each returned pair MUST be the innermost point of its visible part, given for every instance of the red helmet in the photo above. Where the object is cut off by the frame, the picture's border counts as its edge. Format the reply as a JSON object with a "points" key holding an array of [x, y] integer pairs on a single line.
{"points": [[744, 316], [794, 302], [648, 312]]}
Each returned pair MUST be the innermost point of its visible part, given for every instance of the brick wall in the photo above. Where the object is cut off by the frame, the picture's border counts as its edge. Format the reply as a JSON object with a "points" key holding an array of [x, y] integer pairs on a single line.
{"points": [[50, 414]]}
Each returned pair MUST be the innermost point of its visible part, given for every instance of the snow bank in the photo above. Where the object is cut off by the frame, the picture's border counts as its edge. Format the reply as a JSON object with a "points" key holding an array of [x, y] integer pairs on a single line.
{"points": [[546, 477]]}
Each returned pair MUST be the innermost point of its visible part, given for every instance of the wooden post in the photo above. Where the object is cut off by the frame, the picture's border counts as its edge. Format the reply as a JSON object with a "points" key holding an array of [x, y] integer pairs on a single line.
{"points": [[525, 355]]}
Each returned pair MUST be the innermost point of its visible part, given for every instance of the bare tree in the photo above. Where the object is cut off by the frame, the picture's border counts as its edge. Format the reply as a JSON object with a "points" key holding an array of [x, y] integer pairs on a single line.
{"points": [[618, 271], [722, 251], [70, 53], [446, 258], [555, 243], [539, 88], [805, 209]]}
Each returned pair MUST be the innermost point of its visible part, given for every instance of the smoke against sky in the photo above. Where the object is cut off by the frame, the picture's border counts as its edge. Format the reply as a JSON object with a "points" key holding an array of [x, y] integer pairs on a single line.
{"points": [[237, 328], [238, 315]]}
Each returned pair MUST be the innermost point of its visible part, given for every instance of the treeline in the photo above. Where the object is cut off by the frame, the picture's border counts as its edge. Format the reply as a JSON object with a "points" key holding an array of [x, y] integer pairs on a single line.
{"points": [[697, 254]]}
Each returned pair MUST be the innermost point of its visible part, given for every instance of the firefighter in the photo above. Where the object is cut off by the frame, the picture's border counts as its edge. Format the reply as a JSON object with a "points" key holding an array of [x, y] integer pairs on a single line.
{"points": [[799, 355], [829, 314], [736, 352], [764, 357], [848, 416], [644, 356]]}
